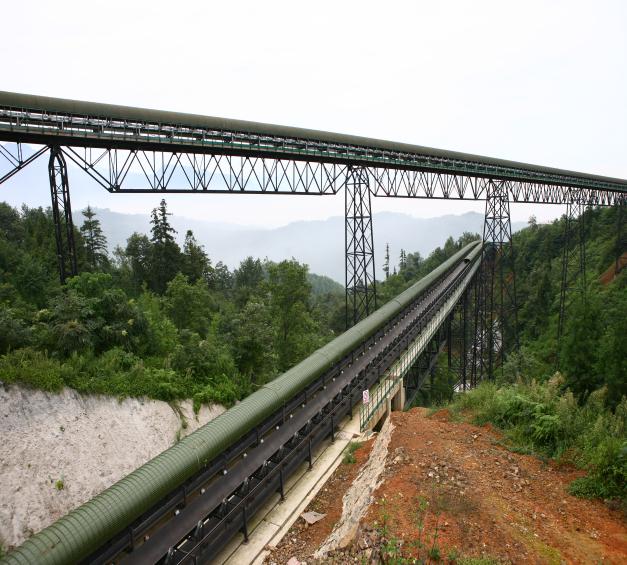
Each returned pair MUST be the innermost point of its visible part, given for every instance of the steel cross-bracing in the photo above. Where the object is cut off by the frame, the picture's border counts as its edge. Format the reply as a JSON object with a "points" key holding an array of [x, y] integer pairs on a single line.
{"points": [[148, 171], [497, 307], [136, 150], [62, 214], [361, 290], [159, 142], [621, 241], [458, 340]]}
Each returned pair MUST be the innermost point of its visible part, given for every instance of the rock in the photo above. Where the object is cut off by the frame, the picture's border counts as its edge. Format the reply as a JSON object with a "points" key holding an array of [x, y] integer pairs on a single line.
{"points": [[312, 517]]}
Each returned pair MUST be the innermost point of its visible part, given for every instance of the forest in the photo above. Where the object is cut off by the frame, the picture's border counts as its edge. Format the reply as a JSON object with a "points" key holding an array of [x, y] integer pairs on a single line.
{"points": [[159, 320], [154, 319], [563, 400]]}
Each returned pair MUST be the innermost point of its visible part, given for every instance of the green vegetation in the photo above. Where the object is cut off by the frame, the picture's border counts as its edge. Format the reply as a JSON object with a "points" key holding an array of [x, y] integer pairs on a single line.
{"points": [[349, 452], [59, 484], [158, 320], [412, 267], [153, 320], [543, 419], [578, 414], [593, 351]]}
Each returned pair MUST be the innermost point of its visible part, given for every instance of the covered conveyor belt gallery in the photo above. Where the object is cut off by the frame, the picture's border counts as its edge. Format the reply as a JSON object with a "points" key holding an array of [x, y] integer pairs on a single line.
{"points": [[184, 505]]}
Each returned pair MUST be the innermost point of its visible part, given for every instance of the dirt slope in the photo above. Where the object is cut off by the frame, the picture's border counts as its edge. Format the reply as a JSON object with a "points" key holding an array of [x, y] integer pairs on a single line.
{"points": [[450, 491], [60, 450]]}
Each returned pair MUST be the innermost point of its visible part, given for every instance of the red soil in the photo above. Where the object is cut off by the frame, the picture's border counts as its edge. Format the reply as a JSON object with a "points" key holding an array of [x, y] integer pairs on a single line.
{"points": [[473, 497]]}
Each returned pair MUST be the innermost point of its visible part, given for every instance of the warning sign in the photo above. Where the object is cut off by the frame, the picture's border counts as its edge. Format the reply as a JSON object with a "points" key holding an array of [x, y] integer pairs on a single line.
{"points": [[365, 395]]}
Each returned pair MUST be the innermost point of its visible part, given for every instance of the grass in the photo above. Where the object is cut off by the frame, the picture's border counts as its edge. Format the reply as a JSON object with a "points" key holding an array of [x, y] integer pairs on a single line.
{"points": [[117, 373], [349, 452], [479, 561], [543, 420]]}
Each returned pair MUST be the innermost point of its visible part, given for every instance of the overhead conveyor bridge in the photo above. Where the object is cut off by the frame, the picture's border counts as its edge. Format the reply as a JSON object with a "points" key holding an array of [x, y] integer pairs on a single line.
{"points": [[184, 505], [139, 150]]}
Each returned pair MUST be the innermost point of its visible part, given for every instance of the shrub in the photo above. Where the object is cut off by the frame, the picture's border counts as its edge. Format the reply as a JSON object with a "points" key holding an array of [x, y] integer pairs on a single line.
{"points": [[222, 391], [608, 475], [13, 330], [33, 368], [349, 453], [541, 419]]}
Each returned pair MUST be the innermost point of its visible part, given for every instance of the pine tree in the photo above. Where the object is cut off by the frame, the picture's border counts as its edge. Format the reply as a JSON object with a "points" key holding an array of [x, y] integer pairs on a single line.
{"points": [[403, 260], [386, 264], [95, 240], [166, 254], [196, 263]]}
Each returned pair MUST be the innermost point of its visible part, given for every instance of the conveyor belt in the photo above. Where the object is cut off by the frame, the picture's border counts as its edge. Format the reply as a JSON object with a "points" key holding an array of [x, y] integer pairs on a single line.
{"points": [[207, 522]]}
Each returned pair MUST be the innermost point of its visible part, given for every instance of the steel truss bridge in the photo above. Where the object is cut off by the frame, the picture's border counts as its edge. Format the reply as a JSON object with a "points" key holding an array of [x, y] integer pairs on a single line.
{"points": [[182, 506], [180, 153]]}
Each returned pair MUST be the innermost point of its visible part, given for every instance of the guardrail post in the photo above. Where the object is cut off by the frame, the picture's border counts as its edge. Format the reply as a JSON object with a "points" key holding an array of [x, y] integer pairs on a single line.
{"points": [[309, 457], [62, 214], [245, 524], [281, 483], [361, 290]]}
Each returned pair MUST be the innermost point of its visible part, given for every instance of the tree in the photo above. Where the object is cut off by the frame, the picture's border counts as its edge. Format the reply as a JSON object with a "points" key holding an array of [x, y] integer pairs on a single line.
{"points": [[138, 254], [290, 294], [189, 306], [165, 252], [612, 362], [247, 279], [196, 263], [386, 263], [402, 260], [95, 241], [254, 335], [220, 278], [581, 344]]}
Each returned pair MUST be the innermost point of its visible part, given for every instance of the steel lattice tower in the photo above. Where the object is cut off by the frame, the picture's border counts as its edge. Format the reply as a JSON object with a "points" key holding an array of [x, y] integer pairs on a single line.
{"points": [[497, 312], [62, 214], [573, 257], [361, 296], [621, 244]]}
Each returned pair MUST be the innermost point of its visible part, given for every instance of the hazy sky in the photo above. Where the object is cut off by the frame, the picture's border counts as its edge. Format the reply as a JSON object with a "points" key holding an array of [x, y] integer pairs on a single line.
{"points": [[539, 82]]}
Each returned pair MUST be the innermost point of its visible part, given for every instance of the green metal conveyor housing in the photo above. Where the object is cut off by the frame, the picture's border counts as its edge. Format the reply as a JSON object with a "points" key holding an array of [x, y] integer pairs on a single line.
{"points": [[77, 535]]}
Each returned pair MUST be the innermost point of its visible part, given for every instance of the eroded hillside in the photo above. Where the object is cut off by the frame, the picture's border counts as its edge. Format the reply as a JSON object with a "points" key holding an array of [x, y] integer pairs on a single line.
{"points": [[451, 493]]}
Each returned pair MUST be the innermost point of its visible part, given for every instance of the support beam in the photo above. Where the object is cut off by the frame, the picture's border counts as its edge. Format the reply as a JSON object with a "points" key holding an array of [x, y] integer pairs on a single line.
{"points": [[573, 258], [457, 342], [62, 214], [15, 159], [621, 244], [497, 307], [361, 294]]}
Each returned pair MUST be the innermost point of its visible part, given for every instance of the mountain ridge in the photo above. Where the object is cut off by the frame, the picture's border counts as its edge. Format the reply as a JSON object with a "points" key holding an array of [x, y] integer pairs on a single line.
{"points": [[318, 243]]}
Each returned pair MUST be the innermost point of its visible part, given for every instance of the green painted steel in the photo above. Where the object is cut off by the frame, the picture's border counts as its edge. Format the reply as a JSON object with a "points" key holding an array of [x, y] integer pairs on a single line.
{"points": [[456, 162], [82, 531]]}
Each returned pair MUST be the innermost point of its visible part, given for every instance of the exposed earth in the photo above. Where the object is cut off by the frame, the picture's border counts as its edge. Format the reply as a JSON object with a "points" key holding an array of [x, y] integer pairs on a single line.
{"points": [[58, 450], [450, 492]]}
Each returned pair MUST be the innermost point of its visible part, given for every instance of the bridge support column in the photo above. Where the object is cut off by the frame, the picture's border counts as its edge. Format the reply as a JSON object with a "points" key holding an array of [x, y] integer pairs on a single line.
{"points": [[462, 343], [62, 214], [497, 308], [621, 244], [573, 258], [361, 294]]}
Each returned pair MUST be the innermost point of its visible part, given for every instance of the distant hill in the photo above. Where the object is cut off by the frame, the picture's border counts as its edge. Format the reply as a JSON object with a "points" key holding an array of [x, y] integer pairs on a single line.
{"points": [[320, 244], [321, 285]]}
